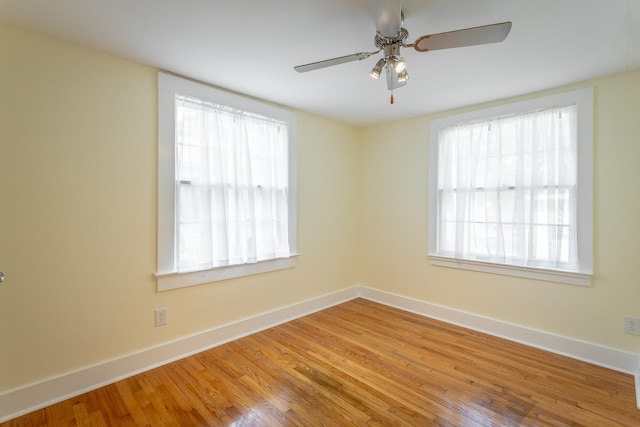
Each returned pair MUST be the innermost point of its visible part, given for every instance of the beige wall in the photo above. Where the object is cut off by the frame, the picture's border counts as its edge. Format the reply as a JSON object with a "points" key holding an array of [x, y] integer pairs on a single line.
{"points": [[395, 230], [78, 220], [78, 215]]}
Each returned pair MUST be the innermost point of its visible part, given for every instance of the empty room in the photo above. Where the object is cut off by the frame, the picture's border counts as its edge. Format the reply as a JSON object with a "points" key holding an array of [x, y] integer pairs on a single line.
{"points": [[369, 213]]}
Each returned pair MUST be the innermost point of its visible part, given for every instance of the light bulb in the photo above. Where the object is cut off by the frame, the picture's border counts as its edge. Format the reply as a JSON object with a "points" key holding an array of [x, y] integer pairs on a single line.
{"points": [[377, 69], [398, 63]]}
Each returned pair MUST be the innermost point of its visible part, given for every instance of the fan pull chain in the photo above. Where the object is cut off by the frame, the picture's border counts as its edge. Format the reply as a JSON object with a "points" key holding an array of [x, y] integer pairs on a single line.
{"points": [[391, 99]]}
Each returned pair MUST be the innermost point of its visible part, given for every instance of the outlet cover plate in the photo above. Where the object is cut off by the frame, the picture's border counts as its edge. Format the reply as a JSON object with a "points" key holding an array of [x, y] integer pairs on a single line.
{"points": [[632, 325], [161, 316]]}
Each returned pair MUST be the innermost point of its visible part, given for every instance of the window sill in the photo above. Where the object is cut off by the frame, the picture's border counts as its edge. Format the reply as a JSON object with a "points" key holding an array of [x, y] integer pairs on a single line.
{"points": [[560, 276], [168, 281]]}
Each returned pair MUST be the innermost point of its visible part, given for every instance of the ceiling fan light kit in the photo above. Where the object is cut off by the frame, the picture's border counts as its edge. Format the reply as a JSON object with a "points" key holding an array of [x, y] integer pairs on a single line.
{"points": [[390, 37]]}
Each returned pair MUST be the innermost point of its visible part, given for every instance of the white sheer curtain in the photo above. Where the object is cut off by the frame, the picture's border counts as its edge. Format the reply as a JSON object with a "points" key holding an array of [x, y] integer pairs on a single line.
{"points": [[231, 186], [507, 190]]}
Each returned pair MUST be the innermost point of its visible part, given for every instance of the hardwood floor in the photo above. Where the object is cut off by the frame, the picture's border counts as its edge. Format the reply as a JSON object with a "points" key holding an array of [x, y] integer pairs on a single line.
{"points": [[361, 364]]}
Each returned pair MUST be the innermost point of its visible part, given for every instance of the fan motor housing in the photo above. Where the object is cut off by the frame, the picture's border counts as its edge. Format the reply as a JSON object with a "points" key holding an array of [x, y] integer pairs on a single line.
{"points": [[382, 42]]}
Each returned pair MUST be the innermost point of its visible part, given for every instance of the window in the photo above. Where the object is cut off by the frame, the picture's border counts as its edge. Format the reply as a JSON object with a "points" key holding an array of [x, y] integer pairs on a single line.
{"points": [[226, 185], [510, 189]]}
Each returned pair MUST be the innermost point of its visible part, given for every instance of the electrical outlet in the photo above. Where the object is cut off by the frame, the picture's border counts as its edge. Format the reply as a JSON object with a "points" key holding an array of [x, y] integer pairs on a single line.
{"points": [[161, 316], [632, 325]]}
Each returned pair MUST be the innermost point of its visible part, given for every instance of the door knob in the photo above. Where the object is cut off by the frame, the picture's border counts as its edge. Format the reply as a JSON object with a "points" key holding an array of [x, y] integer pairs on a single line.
{"points": [[1, 277]]}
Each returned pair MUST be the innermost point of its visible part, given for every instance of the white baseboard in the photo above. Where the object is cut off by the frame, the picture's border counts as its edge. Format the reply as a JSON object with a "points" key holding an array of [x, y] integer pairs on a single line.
{"points": [[36, 396]]}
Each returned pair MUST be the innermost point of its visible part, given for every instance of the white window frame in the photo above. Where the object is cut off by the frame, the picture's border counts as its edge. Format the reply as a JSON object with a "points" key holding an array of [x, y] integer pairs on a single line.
{"points": [[583, 99], [167, 277]]}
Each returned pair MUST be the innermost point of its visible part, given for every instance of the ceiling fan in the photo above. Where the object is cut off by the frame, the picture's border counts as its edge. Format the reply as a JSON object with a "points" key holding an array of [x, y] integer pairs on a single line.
{"points": [[390, 37]]}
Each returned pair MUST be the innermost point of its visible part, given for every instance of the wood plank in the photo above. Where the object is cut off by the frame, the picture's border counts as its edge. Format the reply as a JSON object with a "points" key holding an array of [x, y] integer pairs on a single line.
{"points": [[364, 364]]}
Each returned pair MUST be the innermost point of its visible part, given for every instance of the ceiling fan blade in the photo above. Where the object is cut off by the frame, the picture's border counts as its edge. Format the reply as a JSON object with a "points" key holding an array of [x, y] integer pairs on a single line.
{"points": [[485, 34], [387, 15], [333, 61]]}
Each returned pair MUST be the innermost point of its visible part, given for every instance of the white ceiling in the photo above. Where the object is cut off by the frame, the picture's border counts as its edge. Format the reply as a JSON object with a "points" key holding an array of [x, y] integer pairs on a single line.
{"points": [[251, 46]]}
